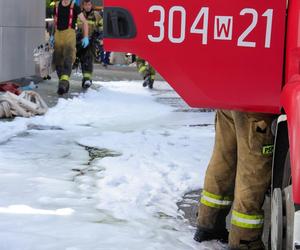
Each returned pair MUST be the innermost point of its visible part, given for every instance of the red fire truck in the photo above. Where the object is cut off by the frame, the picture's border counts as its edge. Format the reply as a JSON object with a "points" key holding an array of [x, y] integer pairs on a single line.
{"points": [[239, 55]]}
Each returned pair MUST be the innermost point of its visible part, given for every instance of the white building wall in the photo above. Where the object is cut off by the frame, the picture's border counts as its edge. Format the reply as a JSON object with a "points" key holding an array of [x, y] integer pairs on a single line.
{"points": [[22, 28]]}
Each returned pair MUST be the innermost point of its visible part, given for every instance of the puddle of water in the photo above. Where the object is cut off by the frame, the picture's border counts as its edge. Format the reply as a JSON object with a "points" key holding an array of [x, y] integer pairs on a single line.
{"points": [[201, 125], [162, 215], [99, 153], [42, 127], [189, 206]]}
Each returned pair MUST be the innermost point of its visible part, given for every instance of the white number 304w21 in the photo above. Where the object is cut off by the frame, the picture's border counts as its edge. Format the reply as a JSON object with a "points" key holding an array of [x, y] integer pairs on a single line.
{"points": [[202, 17]]}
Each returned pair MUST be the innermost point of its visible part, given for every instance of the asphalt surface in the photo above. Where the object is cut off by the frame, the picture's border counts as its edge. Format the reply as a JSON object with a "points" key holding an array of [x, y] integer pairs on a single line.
{"points": [[189, 205], [47, 88]]}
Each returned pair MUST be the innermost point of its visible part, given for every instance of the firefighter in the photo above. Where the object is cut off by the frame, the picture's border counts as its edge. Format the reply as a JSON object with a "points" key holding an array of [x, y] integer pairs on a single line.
{"points": [[147, 72], [237, 178], [66, 13], [105, 58], [86, 55]]}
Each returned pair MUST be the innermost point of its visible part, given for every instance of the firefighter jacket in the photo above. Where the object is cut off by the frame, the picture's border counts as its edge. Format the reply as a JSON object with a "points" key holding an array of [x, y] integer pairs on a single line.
{"points": [[94, 20]]}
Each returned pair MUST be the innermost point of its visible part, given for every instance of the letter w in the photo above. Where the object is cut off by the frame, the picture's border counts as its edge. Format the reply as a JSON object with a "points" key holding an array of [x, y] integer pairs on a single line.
{"points": [[223, 27]]}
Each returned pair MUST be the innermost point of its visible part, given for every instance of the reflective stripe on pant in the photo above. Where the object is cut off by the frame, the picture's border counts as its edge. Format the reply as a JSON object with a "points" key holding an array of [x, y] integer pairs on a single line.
{"points": [[247, 221], [64, 52], [215, 201], [64, 77], [240, 167]]}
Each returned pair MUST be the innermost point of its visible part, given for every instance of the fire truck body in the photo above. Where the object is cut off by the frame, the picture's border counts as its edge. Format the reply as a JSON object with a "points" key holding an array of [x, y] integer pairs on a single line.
{"points": [[240, 55], [208, 50]]}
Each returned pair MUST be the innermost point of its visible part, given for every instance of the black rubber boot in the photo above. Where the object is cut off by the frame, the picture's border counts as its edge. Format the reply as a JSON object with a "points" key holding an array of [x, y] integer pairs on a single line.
{"points": [[148, 82], [145, 83], [86, 83], [63, 87], [249, 245], [207, 235]]}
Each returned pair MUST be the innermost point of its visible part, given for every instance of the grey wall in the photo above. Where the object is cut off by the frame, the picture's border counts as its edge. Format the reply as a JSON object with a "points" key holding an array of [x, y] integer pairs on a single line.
{"points": [[22, 28]]}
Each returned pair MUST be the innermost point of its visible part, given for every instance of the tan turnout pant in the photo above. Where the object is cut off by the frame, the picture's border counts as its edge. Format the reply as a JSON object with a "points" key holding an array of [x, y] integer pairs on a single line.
{"points": [[64, 53], [238, 175]]}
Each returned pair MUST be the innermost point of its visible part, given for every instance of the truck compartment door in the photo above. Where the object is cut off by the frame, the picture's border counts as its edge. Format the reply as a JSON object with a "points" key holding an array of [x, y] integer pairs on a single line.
{"points": [[214, 53]]}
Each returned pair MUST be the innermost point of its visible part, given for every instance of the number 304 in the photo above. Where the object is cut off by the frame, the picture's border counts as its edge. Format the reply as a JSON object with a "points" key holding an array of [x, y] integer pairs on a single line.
{"points": [[203, 16]]}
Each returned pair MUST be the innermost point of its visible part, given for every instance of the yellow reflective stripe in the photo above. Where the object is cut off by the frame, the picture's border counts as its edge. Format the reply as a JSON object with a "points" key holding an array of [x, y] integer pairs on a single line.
{"points": [[88, 21], [142, 69], [64, 77], [211, 204], [217, 197], [91, 22], [246, 225], [216, 201], [247, 221], [87, 75], [246, 216], [100, 22]]}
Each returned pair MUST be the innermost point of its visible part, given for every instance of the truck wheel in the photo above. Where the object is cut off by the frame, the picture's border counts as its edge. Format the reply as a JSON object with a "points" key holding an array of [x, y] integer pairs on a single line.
{"points": [[282, 213], [282, 219], [276, 220], [289, 209]]}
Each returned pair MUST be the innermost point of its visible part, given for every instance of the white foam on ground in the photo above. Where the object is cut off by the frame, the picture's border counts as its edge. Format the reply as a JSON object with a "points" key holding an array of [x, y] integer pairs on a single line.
{"points": [[51, 198]]}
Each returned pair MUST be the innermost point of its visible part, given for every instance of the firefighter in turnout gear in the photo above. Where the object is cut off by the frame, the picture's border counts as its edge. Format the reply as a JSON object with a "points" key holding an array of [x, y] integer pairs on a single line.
{"points": [[147, 72], [237, 178], [66, 13], [86, 55]]}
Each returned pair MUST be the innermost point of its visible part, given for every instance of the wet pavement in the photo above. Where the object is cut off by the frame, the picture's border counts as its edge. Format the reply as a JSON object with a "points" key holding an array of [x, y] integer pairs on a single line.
{"points": [[47, 88], [189, 205]]}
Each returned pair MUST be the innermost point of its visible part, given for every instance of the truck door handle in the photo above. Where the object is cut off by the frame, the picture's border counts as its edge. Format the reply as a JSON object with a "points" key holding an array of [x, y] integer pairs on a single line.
{"points": [[118, 23]]}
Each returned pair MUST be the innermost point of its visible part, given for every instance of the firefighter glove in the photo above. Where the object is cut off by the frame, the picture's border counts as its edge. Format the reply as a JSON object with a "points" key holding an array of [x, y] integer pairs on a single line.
{"points": [[85, 42]]}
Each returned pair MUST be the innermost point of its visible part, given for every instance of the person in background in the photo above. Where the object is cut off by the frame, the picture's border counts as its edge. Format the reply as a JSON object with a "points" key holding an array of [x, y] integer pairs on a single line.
{"points": [[86, 55], [146, 71], [66, 13], [105, 58]]}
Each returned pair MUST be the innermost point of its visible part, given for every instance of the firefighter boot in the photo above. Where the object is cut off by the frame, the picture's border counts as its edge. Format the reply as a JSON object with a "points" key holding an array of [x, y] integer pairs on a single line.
{"points": [[245, 239], [145, 83], [148, 81], [249, 245], [63, 87], [86, 83], [203, 234], [150, 84], [211, 224]]}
